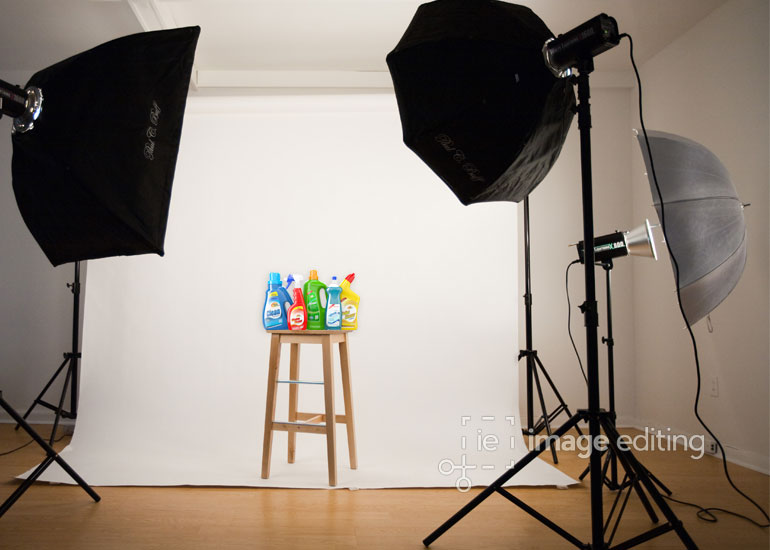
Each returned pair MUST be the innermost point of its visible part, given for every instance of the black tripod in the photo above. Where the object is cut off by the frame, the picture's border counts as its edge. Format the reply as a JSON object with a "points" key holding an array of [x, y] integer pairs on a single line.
{"points": [[610, 468], [71, 360], [533, 361], [51, 456], [598, 419]]}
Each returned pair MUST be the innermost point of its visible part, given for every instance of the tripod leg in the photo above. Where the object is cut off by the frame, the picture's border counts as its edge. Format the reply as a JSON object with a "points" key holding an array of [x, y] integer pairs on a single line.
{"points": [[11, 500], [42, 393], [628, 459], [500, 481], [556, 392], [51, 455], [57, 417], [546, 421]]}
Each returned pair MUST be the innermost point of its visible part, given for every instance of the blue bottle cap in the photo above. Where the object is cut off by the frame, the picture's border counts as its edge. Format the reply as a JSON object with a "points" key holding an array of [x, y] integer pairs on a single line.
{"points": [[275, 278]]}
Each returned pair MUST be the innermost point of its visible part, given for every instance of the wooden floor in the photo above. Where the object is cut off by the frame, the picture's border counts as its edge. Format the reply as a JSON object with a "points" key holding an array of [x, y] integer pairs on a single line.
{"points": [[64, 517]]}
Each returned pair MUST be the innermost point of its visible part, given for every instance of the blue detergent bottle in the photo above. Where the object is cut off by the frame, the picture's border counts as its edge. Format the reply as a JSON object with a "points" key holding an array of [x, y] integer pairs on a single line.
{"points": [[274, 316], [334, 306]]}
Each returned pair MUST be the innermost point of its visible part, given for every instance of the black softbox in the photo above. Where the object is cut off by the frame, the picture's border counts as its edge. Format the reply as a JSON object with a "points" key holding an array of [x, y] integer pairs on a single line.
{"points": [[477, 103], [93, 177]]}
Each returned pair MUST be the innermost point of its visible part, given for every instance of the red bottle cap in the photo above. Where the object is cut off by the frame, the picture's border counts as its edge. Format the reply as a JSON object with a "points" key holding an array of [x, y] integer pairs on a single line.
{"points": [[350, 277]]}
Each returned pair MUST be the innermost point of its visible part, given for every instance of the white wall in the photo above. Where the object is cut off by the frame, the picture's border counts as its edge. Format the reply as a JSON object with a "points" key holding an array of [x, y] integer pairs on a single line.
{"points": [[711, 85]]}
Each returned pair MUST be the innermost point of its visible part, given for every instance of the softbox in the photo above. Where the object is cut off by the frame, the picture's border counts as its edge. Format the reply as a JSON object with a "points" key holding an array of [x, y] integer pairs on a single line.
{"points": [[93, 177], [477, 103]]}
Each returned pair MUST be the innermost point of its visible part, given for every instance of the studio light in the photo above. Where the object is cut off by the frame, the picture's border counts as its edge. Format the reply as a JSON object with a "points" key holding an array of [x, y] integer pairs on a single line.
{"points": [[588, 40], [95, 143], [636, 242], [481, 108]]}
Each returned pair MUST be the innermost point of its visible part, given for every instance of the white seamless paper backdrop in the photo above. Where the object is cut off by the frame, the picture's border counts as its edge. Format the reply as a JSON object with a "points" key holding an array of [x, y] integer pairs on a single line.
{"points": [[174, 365]]}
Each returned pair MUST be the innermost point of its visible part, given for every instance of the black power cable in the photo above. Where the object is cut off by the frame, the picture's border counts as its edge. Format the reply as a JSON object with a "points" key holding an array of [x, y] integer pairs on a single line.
{"points": [[689, 328], [4, 453], [569, 321]]}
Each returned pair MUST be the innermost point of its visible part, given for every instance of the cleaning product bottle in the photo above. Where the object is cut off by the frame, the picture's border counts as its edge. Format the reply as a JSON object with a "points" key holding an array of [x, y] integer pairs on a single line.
{"points": [[333, 306], [350, 301], [274, 315], [297, 313], [316, 310]]}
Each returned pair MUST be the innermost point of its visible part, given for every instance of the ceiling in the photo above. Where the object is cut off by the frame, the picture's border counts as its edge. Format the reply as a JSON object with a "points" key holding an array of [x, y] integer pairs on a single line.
{"points": [[299, 43]]}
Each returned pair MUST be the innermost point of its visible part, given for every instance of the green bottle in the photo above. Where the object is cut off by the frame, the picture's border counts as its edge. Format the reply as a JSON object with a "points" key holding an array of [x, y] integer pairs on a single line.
{"points": [[316, 312]]}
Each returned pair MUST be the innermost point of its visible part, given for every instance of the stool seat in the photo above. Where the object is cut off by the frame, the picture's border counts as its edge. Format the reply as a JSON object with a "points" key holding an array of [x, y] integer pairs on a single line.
{"points": [[308, 422]]}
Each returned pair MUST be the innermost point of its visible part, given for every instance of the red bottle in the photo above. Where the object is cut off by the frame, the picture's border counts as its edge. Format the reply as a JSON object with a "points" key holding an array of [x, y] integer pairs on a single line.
{"points": [[297, 312]]}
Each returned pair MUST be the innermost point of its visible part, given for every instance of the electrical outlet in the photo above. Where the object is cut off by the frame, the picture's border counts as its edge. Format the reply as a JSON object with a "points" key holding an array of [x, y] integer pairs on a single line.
{"points": [[711, 447], [714, 386]]}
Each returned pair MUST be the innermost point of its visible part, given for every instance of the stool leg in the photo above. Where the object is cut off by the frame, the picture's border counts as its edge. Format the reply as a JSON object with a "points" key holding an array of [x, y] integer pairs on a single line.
{"points": [[350, 424], [272, 385], [329, 418], [293, 398]]}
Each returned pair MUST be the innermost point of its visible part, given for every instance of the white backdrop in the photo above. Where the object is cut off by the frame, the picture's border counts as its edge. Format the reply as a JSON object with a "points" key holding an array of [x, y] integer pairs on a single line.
{"points": [[174, 356]]}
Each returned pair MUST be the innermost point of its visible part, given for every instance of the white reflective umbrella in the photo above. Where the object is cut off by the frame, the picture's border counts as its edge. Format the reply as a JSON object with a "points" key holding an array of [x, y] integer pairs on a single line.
{"points": [[703, 219]]}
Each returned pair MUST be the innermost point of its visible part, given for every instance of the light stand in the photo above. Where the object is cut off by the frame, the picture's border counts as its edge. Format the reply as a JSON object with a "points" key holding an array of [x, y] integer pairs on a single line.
{"points": [[610, 468], [533, 361], [51, 456], [597, 417], [71, 359]]}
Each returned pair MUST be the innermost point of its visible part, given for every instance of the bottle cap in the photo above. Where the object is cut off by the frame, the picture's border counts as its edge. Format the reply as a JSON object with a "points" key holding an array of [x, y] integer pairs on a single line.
{"points": [[275, 278], [350, 277], [298, 280], [313, 275], [334, 282]]}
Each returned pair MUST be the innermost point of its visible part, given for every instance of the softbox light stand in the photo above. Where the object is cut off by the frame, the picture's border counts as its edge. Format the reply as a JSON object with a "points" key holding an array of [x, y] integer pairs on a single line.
{"points": [[533, 362], [598, 419], [95, 144], [51, 457], [71, 360]]}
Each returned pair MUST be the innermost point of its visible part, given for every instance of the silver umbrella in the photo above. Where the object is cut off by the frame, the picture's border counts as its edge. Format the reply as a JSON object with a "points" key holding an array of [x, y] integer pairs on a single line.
{"points": [[702, 219]]}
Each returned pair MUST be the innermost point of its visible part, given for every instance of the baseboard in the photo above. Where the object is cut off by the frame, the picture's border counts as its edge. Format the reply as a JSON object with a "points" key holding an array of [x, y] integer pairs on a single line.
{"points": [[740, 457], [37, 417]]}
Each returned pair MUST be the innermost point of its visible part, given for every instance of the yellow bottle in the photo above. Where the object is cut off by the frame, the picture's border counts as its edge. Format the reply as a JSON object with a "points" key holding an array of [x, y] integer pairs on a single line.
{"points": [[349, 301]]}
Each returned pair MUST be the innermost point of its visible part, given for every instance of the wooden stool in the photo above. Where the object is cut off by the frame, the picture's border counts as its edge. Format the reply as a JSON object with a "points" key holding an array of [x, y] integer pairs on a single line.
{"points": [[309, 422]]}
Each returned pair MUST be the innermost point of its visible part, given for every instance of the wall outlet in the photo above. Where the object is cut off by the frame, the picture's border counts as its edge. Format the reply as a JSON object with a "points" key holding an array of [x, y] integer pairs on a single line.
{"points": [[711, 447], [714, 386]]}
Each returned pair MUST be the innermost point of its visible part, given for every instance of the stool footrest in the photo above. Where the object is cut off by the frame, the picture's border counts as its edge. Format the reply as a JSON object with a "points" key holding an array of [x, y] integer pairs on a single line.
{"points": [[320, 417], [300, 382], [299, 427]]}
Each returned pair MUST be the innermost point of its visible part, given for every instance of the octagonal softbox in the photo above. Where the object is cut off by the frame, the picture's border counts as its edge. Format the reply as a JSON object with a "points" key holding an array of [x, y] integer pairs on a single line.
{"points": [[477, 103]]}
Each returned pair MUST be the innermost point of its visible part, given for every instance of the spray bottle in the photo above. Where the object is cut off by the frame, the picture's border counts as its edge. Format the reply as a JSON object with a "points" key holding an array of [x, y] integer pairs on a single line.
{"points": [[333, 306], [316, 310], [350, 301], [276, 298], [297, 313]]}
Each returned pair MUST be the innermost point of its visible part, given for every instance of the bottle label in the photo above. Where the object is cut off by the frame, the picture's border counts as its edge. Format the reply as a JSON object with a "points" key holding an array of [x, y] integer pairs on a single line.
{"points": [[297, 317], [273, 313], [313, 308], [333, 316], [349, 311]]}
